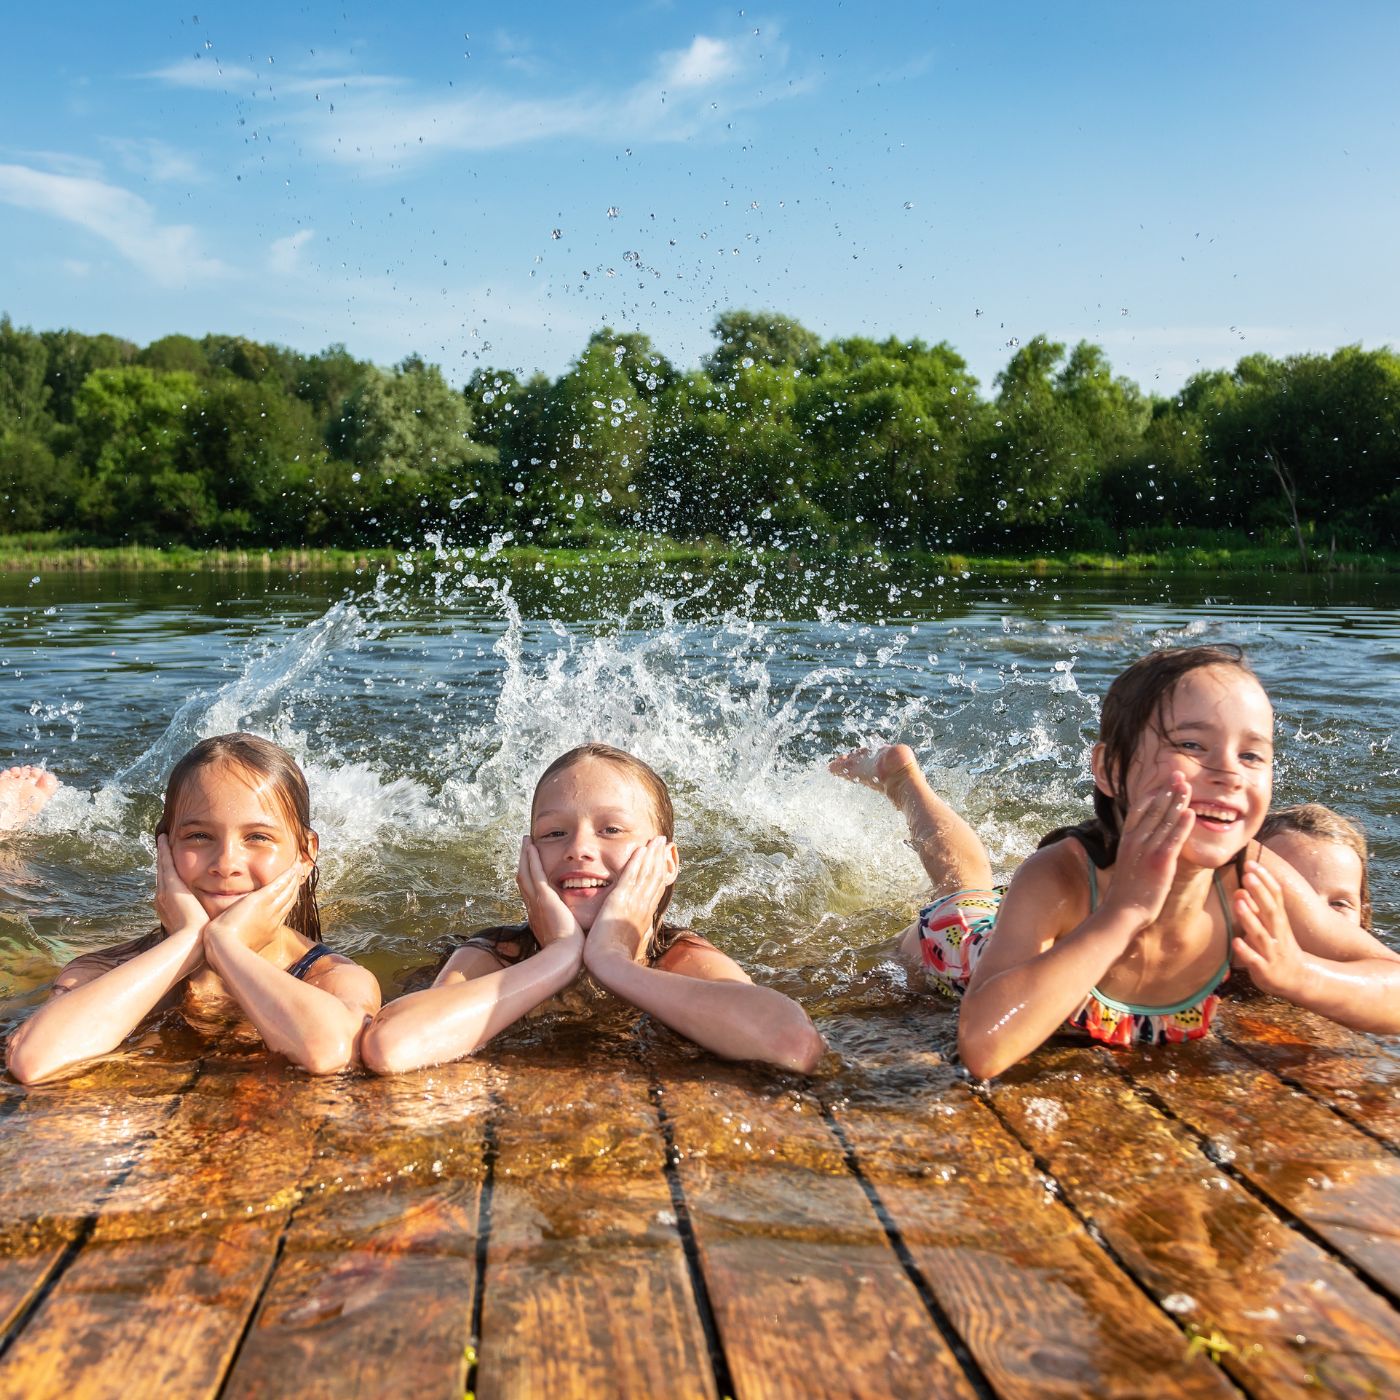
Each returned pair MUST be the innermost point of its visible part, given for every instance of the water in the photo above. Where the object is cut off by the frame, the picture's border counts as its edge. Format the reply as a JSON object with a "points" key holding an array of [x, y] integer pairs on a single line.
{"points": [[423, 706]]}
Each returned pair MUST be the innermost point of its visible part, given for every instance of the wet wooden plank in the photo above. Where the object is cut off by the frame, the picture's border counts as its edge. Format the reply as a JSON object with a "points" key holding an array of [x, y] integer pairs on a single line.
{"points": [[378, 1266], [1308, 1159], [808, 1295], [1281, 1313], [586, 1289], [61, 1148], [1356, 1074], [1042, 1307], [158, 1297]]}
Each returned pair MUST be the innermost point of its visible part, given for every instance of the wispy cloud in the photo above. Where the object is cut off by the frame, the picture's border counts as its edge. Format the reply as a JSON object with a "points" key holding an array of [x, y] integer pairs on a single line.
{"points": [[167, 253], [203, 73], [285, 254], [371, 120], [154, 159]]}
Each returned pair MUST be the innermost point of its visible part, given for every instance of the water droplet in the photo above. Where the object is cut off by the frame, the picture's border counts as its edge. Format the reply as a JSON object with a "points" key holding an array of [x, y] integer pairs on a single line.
{"points": [[908, 203], [488, 396], [747, 362], [556, 233], [618, 405], [612, 211]]}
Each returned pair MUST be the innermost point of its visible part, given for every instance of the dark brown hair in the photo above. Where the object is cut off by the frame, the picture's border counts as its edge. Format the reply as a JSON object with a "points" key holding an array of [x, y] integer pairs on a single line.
{"points": [[1313, 819], [641, 773], [261, 763], [1134, 705]]}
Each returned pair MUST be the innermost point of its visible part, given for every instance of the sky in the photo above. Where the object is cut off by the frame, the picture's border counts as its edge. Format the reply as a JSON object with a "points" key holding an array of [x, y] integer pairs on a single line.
{"points": [[1182, 183]]}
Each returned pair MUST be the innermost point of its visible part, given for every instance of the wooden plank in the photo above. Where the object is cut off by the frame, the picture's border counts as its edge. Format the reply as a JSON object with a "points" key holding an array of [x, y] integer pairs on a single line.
{"points": [[808, 1295], [1335, 1179], [61, 1148], [586, 1289], [1042, 1307], [1355, 1074], [158, 1297], [1282, 1313], [378, 1267]]}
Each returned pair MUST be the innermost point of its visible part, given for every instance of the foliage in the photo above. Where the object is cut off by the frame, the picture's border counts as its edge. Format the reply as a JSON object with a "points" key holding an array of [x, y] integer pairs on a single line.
{"points": [[778, 438]]}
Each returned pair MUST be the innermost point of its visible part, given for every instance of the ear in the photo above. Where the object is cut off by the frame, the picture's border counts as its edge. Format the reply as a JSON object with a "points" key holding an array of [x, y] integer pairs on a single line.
{"points": [[673, 862], [1098, 764], [313, 846]]}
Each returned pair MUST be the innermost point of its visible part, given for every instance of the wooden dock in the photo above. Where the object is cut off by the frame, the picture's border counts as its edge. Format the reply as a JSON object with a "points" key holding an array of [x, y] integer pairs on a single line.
{"points": [[1214, 1220]]}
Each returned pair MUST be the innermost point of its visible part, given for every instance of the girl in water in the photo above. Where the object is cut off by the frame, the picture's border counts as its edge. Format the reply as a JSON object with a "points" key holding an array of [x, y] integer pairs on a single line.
{"points": [[239, 928], [1124, 927], [1329, 851], [596, 873]]}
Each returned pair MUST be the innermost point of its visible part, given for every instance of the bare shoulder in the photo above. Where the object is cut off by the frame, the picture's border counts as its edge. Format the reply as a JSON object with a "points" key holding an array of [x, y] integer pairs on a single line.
{"points": [[347, 981], [692, 956], [1047, 897]]}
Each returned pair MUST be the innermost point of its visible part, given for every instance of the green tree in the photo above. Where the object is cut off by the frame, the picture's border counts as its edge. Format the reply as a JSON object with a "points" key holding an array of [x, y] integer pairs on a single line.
{"points": [[749, 338]]}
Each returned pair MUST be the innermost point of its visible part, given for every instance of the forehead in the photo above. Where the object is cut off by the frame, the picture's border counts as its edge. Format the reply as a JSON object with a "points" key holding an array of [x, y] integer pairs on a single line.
{"points": [[1220, 694], [228, 790], [592, 782], [1327, 865]]}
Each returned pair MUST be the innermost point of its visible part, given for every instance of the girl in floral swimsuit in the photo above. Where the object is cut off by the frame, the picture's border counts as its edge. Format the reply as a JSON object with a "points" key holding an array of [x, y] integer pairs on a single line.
{"points": [[1124, 927]]}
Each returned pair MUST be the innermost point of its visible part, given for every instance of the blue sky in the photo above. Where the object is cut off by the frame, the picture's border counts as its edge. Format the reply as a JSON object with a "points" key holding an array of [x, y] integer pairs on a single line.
{"points": [[1182, 183]]}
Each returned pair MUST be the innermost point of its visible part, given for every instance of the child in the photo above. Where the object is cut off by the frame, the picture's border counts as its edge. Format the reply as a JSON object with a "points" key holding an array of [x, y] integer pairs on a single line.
{"points": [[596, 873], [23, 792], [1124, 927], [1329, 851], [239, 928]]}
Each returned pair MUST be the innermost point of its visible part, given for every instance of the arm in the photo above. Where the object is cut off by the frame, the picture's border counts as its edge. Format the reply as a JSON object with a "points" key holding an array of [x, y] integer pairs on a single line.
{"points": [[91, 1012], [701, 994], [474, 998], [316, 1023], [1294, 946], [1046, 955]]}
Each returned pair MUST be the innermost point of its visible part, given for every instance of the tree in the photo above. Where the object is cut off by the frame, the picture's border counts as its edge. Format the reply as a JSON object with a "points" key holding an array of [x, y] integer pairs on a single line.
{"points": [[758, 338]]}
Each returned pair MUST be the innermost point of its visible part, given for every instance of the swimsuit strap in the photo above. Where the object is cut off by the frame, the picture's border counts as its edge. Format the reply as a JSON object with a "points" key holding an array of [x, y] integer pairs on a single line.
{"points": [[1197, 997], [303, 964]]}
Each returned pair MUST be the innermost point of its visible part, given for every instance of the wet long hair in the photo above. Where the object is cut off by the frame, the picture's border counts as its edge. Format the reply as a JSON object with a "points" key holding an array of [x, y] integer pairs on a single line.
{"points": [[1323, 824], [641, 773], [1135, 704], [263, 765]]}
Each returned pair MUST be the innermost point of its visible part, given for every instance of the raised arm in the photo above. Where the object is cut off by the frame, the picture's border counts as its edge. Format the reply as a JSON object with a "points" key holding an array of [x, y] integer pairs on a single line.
{"points": [[701, 994], [1294, 946], [1048, 951], [474, 998], [316, 1023], [90, 1012]]}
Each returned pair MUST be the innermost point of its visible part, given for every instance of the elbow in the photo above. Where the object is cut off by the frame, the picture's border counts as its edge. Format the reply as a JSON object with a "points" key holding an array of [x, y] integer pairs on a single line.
{"points": [[799, 1048], [326, 1055], [980, 1056], [27, 1062], [384, 1049]]}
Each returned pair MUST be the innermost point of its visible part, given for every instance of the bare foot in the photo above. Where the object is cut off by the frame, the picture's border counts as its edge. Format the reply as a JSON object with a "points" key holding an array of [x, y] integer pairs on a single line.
{"points": [[23, 792], [875, 768]]}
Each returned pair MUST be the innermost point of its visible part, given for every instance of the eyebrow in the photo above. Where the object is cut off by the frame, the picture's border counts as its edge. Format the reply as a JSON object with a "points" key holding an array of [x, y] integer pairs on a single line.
{"points": [[1252, 735], [203, 820]]}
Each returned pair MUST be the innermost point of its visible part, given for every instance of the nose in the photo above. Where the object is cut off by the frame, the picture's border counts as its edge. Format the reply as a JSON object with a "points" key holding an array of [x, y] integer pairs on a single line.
{"points": [[228, 857], [582, 843]]}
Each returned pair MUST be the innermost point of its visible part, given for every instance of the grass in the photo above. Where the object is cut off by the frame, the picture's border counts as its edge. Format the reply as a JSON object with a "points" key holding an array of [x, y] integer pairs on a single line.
{"points": [[56, 552]]}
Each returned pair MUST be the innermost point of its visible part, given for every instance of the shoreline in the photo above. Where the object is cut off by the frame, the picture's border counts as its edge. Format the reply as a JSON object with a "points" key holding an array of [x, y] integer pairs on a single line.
{"points": [[66, 558]]}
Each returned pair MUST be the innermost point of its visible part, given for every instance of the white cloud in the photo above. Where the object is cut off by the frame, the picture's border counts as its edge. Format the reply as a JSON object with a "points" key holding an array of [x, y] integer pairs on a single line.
{"points": [[285, 254], [167, 253], [705, 63], [381, 123], [203, 73], [153, 158]]}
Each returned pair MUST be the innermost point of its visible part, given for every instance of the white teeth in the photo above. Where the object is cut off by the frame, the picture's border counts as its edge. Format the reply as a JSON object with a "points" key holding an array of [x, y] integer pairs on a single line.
{"points": [[1216, 814], [587, 884]]}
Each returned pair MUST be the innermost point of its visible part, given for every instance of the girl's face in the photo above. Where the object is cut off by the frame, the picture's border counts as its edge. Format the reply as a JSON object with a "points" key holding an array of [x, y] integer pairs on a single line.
{"points": [[1332, 869], [1218, 732], [230, 836], [587, 822]]}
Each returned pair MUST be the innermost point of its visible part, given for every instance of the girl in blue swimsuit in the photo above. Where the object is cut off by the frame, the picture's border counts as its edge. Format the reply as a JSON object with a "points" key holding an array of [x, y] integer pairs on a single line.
{"points": [[239, 935], [1125, 927]]}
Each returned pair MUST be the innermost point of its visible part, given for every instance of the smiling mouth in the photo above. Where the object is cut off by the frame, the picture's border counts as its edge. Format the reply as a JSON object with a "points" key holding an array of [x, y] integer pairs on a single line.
{"points": [[1215, 818], [583, 884]]}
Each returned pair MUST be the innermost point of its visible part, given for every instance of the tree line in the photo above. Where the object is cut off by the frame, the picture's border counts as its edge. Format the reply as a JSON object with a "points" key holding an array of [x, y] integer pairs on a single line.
{"points": [[776, 436]]}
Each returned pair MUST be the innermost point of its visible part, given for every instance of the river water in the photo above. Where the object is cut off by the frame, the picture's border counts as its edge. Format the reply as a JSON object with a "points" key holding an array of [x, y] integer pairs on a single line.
{"points": [[423, 704]]}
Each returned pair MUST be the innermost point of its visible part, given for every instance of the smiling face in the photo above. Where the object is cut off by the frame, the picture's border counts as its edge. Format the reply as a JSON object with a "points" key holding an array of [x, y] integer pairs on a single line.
{"points": [[1334, 870], [230, 835], [1216, 730], [588, 820]]}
